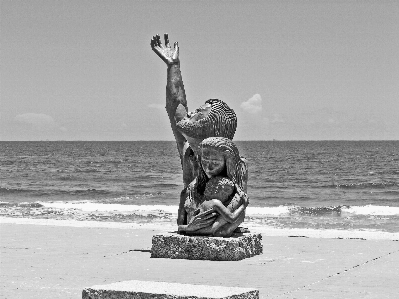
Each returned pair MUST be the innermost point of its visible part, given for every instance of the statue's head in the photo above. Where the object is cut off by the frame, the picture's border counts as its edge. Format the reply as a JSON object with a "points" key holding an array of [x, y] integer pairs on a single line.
{"points": [[213, 119], [220, 157], [219, 187]]}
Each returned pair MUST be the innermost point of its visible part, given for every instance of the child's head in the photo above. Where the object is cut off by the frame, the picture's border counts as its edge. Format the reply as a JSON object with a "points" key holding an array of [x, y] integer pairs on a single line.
{"points": [[219, 188], [235, 166]]}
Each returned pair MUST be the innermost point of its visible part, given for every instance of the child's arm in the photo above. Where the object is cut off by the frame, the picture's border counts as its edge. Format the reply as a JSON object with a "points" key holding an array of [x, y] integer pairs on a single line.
{"points": [[225, 213]]}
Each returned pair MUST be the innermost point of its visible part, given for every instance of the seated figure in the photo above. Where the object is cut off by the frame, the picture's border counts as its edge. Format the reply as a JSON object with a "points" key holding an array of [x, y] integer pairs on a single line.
{"points": [[218, 194], [219, 158]]}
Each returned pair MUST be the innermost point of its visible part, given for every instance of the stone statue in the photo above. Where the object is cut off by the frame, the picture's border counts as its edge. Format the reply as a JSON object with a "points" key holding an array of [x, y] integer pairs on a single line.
{"points": [[203, 158], [216, 195]]}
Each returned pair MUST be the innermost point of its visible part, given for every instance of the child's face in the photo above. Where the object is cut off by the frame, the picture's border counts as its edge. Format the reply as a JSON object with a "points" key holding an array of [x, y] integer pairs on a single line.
{"points": [[212, 162]]}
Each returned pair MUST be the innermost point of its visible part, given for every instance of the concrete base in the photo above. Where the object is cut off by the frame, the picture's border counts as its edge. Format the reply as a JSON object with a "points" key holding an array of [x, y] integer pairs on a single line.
{"points": [[135, 289], [235, 248]]}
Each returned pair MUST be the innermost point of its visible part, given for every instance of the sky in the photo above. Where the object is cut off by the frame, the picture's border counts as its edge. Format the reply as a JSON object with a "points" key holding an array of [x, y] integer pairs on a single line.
{"points": [[291, 70]]}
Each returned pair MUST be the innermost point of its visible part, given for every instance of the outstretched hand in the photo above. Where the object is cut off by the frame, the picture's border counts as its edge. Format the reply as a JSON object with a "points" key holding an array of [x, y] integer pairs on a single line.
{"points": [[168, 54]]}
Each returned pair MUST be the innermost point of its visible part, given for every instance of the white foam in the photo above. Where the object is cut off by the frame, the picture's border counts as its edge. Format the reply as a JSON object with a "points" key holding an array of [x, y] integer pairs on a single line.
{"points": [[88, 206], [273, 211], [372, 210]]}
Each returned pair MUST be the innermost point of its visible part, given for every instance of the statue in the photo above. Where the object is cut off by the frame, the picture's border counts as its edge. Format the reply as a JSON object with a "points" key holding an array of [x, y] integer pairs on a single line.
{"points": [[216, 195], [203, 139]]}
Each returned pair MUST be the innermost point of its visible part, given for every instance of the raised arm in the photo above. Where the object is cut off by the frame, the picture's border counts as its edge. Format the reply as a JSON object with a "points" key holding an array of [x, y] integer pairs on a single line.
{"points": [[176, 104]]}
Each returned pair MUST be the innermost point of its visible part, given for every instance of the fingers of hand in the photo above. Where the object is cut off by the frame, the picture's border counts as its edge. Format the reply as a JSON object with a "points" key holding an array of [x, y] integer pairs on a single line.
{"points": [[167, 54], [210, 216], [176, 53], [205, 219], [166, 37], [155, 42], [206, 216], [158, 40], [207, 222]]}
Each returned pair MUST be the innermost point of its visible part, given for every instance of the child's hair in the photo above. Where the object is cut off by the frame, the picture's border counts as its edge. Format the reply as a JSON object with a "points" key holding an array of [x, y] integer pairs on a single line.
{"points": [[236, 169], [219, 188]]}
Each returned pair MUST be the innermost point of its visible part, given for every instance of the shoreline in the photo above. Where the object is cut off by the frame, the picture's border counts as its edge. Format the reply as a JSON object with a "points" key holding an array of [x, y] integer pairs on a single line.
{"points": [[58, 259], [167, 226]]}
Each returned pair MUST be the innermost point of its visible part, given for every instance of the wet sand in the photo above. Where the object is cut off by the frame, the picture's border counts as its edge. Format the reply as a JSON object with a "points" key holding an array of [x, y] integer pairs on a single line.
{"points": [[57, 259]]}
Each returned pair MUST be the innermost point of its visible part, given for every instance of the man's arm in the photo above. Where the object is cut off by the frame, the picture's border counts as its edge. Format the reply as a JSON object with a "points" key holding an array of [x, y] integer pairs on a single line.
{"points": [[198, 224], [176, 107], [176, 104]]}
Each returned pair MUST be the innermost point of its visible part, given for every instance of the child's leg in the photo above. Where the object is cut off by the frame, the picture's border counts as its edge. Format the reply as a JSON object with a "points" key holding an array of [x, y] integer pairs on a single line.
{"points": [[228, 229]]}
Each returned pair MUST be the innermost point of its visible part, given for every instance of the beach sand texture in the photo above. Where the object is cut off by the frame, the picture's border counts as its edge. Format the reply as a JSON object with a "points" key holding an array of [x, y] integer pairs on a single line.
{"points": [[52, 261]]}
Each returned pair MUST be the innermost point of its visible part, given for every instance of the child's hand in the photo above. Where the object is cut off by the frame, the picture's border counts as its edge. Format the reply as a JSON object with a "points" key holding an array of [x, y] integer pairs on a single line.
{"points": [[205, 213], [245, 200], [243, 196]]}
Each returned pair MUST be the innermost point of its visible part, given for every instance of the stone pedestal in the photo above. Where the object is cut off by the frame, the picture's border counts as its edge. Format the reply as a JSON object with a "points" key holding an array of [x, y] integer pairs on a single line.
{"points": [[235, 248], [135, 289]]}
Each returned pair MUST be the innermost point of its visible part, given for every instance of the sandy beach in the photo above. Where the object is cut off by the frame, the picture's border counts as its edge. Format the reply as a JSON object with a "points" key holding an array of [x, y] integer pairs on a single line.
{"points": [[57, 259]]}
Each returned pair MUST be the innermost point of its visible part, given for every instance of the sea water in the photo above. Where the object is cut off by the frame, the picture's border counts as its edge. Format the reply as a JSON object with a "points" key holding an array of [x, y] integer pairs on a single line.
{"points": [[348, 185]]}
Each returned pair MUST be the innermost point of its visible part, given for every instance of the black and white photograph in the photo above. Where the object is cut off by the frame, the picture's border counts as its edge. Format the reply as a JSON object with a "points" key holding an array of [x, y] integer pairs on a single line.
{"points": [[205, 149]]}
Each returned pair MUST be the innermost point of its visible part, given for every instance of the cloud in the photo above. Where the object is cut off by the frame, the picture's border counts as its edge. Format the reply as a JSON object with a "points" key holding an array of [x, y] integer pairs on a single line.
{"points": [[39, 122], [157, 106], [35, 119], [277, 118], [253, 105]]}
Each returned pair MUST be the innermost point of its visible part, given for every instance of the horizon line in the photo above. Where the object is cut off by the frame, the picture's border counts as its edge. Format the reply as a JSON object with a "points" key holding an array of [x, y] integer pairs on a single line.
{"points": [[252, 140]]}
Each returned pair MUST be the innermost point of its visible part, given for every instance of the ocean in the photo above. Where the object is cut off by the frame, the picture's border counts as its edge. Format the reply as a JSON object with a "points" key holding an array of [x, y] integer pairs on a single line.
{"points": [[344, 185]]}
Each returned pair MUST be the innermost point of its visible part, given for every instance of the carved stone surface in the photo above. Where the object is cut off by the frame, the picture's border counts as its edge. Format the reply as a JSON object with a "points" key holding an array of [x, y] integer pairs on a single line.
{"points": [[221, 121], [193, 133], [235, 248], [135, 289]]}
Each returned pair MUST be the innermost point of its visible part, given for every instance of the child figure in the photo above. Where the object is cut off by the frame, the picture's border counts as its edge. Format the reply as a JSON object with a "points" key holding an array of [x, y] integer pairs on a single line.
{"points": [[218, 193]]}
